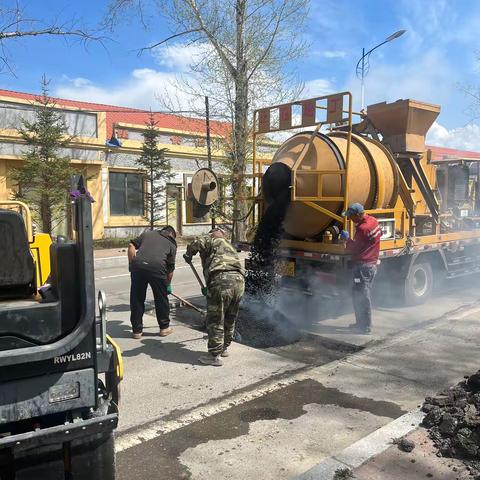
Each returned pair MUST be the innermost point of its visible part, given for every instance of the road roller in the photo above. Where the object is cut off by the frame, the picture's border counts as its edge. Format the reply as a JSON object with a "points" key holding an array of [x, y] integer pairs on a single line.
{"points": [[60, 371], [428, 205]]}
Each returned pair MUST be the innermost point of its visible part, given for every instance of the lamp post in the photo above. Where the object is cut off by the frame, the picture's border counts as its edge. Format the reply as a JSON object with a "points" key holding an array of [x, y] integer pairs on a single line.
{"points": [[363, 65]]}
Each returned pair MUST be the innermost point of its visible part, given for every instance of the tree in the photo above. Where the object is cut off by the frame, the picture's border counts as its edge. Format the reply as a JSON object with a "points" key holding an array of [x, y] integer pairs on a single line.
{"points": [[14, 25], [244, 53], [44, 178], [158, 170]]}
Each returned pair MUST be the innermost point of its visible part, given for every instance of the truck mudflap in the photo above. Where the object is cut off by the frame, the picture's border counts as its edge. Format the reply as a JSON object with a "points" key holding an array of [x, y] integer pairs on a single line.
{"points": [[61, 433]]}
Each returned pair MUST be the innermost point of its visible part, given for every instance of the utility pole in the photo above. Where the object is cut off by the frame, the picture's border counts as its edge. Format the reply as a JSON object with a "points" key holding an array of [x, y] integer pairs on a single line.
{"points": [[363, 65], [363, 78], [209, 146]]}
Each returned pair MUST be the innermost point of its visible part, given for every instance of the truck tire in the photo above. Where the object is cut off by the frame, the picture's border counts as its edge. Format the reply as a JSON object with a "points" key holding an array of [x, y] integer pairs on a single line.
{"points": [[419, 283], [93, 458]]}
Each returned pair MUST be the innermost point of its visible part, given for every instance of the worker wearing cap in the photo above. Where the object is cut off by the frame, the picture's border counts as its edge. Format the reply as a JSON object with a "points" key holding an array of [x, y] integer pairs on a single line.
{"points": [[151, 259], [364, 249], [225, 282]]}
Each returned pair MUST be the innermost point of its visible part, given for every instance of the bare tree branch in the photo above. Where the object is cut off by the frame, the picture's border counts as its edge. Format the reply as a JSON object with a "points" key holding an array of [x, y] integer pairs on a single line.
{"points": [[151, 47], [47, 31], [13, 25]]}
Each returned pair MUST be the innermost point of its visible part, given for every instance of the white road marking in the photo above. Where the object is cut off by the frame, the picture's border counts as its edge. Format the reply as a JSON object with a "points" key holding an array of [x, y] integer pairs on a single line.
{"points": [[113, 276], [365, 448], [128, 274]]}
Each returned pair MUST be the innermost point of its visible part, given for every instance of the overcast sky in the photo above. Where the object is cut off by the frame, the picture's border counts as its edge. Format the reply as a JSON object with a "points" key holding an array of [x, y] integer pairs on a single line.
{"points": [[430, 62]]}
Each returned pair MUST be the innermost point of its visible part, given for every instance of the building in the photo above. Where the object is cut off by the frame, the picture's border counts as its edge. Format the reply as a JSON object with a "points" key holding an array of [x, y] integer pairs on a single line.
{"points": [[113, 178]]}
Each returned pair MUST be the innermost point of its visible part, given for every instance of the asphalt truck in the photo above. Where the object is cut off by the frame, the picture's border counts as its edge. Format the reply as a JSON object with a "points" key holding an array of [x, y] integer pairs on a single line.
{"points": [[428, 208], [60, 372]]}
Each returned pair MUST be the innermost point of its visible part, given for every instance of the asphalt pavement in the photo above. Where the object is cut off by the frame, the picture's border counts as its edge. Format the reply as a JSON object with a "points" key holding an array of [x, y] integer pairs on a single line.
{"points": [[277, 413]]}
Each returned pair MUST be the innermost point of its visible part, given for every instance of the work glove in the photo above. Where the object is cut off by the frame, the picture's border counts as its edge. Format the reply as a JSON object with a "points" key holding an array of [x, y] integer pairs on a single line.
{"points": [[169, 289], [204, 291], [344, 235], [187, 258]]}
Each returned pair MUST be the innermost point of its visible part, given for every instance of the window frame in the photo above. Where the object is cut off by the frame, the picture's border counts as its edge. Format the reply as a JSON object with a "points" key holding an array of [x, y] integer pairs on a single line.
{"points": [[128, 211]]}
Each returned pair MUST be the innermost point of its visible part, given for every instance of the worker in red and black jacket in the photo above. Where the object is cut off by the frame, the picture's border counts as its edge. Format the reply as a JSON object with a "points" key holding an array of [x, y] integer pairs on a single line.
{"points": [[364, 249]]}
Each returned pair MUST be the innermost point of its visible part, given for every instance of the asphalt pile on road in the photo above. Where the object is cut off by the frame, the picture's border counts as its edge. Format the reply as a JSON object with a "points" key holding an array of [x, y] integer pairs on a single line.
{"points": [[260, 324], [453, 420]]}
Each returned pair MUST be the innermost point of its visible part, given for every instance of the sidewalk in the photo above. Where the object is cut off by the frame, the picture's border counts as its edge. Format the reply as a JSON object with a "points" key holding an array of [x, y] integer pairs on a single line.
{"points": [[421, 463]]}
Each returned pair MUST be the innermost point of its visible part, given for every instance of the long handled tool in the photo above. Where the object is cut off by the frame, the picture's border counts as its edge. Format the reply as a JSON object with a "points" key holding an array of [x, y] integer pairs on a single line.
{"points": [[194, 270], [188, 304]]}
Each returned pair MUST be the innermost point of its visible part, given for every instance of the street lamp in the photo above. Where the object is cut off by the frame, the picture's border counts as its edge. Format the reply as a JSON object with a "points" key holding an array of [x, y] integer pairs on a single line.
{"points": [[363, 65]]}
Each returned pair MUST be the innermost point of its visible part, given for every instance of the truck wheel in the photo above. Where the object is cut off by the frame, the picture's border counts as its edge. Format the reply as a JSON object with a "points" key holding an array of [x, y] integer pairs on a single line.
{"points": [[419, 283], [93, 458]]}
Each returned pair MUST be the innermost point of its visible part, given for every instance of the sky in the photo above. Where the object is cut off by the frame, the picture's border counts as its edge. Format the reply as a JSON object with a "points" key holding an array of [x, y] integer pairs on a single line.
{"points": [[433, 61]]}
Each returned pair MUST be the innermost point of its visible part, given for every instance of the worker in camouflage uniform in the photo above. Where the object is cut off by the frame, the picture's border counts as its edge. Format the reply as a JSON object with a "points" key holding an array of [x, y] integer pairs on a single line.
{"points": [[225, 287]]}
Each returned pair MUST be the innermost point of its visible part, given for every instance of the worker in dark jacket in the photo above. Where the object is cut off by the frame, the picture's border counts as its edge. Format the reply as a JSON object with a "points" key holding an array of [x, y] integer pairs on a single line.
{"points": [[364, 249], [223, 274], [151, 258]]}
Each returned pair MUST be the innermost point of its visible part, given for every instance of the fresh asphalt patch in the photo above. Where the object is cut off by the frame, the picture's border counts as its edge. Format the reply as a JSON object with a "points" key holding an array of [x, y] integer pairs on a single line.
{"points": [[163, 453]]}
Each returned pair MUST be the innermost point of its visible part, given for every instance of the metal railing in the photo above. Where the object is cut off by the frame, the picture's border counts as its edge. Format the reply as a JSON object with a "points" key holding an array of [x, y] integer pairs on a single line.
{"points": [[279, 118]]}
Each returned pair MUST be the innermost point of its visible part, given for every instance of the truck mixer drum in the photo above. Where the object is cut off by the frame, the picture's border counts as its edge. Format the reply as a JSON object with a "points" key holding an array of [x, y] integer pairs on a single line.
{"points": [[372, 179]]}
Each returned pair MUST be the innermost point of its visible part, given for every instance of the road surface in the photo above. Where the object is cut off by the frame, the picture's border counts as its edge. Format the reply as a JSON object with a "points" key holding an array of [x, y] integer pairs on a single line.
{"points": [[276, 413]]}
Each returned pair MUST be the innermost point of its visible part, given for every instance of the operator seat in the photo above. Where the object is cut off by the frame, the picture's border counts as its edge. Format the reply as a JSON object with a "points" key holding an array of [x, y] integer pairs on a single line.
{"points": [[17, 269]]}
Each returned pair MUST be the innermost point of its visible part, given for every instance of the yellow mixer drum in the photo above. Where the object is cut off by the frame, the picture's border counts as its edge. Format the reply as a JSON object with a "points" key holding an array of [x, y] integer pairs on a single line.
{"points": [[372, 178]]}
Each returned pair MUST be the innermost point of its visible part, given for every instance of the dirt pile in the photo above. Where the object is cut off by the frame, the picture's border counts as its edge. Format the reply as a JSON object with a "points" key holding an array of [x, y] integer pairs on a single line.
{"points": [[453, 420]]}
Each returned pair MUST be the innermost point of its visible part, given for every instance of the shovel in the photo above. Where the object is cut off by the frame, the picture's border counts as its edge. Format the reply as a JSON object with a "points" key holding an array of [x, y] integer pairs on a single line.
{"points": [[194, 270], [188, 304]]}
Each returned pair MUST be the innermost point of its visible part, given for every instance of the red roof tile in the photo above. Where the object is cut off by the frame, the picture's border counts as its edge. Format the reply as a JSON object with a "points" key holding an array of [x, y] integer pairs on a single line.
{"points": [[441, 152], [116, 114]]}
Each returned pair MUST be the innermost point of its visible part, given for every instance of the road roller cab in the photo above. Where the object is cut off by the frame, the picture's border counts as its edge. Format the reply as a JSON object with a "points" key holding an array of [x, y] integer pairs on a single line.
{"points": [[59, 372]]}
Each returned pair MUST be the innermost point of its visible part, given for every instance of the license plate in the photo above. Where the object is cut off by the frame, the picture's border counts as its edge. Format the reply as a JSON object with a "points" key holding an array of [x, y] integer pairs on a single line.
{"points": [[286, 269]]}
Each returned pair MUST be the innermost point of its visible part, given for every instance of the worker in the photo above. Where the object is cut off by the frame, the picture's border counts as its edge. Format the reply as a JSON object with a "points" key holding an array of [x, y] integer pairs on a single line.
{"points": [[364, 249], [225, 285], [151, 258]]}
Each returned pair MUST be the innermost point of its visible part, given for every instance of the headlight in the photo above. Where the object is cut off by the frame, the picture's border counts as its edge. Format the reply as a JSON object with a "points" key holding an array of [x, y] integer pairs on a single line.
{"points": [[60, 393]]}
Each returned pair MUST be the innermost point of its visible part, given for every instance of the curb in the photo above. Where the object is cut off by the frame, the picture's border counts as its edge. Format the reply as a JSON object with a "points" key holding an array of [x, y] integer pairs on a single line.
{"points": [[366, 448]]}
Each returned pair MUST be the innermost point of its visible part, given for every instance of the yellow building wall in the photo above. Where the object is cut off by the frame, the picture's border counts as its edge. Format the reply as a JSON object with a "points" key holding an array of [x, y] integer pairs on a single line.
{"points": [[3, 180], [94, 186]]}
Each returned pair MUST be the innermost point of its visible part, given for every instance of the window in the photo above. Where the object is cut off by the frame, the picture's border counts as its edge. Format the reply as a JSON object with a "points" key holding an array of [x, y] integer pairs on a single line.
{"points": [[126, 194]]}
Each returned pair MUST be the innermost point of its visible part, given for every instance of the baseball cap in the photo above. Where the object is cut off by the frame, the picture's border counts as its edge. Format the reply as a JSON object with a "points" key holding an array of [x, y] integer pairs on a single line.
{"points": [[353, 209]]}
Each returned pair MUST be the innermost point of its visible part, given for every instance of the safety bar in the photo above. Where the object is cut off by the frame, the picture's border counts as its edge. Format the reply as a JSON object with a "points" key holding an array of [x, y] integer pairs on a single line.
{"points": [[319, 196], [27, 214]]}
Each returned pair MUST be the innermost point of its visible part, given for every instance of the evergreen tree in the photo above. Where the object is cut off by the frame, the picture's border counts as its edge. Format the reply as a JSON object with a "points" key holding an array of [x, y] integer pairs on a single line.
{"points": [[44, 178], [158, 171]]}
